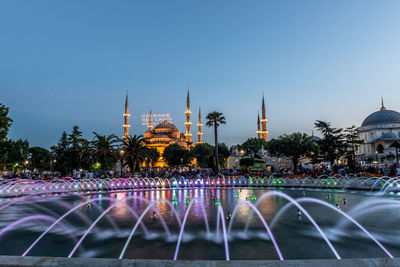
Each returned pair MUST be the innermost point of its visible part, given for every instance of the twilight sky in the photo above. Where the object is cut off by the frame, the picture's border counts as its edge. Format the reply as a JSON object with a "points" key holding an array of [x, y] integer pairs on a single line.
{"points": [[70, 62]]}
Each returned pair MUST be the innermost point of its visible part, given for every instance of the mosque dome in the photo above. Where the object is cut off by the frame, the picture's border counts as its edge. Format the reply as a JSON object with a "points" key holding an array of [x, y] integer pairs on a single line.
{"points": [[166, 126], [382, 116]]}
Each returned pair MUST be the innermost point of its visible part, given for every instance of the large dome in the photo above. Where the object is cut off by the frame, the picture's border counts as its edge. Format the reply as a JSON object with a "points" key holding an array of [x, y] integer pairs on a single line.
{"points": [[166, 125], [382, 117]]}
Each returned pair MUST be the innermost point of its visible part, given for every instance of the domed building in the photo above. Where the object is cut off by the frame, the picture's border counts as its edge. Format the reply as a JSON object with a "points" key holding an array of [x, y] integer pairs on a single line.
{"points": [[166, 133], [163, 135], [379, 130]]}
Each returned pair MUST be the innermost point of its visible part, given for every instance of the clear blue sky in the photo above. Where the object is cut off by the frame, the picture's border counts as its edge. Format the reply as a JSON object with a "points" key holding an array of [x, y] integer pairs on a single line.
{"points": [[69, 62]]}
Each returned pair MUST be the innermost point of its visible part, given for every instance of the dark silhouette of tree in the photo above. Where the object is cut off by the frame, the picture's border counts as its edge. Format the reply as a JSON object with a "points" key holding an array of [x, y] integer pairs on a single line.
{"points": [[202, 153], [5, 122], [246, 163], [293, 146], [253, 145], [135, 152], [352, 141], [40, 158], [215, 119], [332, 144], [175, 155], [104, 148], [223, 154]]}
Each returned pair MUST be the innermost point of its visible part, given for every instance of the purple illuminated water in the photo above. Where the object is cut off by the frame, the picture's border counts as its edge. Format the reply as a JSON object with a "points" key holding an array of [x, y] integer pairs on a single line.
{"points": [[192, 224]]}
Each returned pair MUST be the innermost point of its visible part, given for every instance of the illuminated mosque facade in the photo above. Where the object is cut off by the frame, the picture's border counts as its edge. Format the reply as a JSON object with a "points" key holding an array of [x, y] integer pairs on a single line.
{"points": [[166, 133]]}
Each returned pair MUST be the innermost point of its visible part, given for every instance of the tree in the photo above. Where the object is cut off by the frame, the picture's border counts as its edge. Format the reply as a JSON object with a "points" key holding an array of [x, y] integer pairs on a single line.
{"points": [[293, 146], [223, 153], [175, 155], [135, 152], [85, 154], [352, 141], [62, 154], [246, 163], [18, 151], [75, 141], [104, 149], [5, 122], [202, 153], [12, 152], [332, 144], [153, 156], [253, 145], [40, 158], [215, 119]]}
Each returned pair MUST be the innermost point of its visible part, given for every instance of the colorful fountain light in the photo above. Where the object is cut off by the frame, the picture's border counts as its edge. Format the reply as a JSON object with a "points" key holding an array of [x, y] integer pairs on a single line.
{"points": [[221, 220]]}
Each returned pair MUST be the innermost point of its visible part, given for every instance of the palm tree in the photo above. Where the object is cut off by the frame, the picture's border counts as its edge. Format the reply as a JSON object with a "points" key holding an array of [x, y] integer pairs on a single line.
{"points": [[135, 152], [85, 153], [215, 119], [104, 147]]}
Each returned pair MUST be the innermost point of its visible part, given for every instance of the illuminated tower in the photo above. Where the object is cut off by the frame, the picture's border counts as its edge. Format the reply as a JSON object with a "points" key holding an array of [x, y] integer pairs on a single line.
{"points": [[126, 125], [188, 135], [264, 132], [258, 126], [200, 129], [150, 121]]}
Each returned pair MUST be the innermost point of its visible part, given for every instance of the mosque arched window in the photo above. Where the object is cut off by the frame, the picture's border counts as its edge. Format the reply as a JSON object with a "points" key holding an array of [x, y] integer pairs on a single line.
{"points": [[380, 149]]}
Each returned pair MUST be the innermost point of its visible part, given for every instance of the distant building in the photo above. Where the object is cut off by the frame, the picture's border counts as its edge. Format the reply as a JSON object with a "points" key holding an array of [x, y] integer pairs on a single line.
{"points": [[162, 136], [379, 130], [165, 133]]}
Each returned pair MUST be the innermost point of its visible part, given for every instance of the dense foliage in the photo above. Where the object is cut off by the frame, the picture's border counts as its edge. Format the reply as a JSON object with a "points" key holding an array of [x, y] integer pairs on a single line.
{"points": [[293, 146], [253, 145], [176, 156]]}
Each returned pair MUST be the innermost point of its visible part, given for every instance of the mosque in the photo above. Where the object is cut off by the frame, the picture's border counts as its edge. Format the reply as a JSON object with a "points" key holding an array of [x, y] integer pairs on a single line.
{"points": [[166, 133], [379, 131]]}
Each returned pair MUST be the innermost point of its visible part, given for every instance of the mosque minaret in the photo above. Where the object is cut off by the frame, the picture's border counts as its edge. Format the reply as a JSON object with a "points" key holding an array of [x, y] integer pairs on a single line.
{"points": [[200, 129], [126, 125], [150, 121], [258, 126], [188, 134], [264, 132]]}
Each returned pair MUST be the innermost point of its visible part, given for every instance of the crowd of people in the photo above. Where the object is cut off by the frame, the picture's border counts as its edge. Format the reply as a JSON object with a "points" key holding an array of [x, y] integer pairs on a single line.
{"points": [[316, 171]]}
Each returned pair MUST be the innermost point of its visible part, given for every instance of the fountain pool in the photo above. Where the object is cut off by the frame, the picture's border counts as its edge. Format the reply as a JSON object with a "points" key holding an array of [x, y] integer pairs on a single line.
{"points": [[202, 223]]}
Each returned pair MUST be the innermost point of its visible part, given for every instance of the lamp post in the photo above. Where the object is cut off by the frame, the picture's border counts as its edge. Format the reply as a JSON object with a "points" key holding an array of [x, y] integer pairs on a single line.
{"points": [[376, 159]]}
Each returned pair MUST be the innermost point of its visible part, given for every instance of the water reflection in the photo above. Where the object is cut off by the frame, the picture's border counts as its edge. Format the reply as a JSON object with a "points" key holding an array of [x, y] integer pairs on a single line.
{"points": [[290, 232]]}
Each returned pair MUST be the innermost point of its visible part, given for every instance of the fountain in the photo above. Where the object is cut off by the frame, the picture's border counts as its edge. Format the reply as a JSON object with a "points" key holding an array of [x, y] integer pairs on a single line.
{"points": [[111, 217]]}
